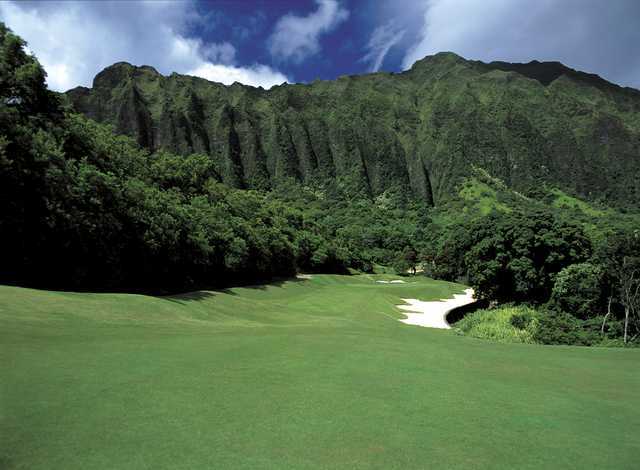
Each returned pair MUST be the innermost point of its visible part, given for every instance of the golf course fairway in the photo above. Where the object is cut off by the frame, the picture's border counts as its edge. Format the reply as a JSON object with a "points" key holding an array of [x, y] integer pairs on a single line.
{"points": [[305, 374]]}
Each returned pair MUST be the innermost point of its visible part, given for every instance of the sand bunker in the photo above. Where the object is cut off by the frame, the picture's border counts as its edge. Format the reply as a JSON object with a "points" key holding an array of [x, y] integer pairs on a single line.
{"points": [[432, 314]]}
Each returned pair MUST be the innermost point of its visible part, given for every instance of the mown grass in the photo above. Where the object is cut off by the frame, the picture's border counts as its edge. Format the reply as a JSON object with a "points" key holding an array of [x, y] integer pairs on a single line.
{"points": [[495, 325], [301, 374]]}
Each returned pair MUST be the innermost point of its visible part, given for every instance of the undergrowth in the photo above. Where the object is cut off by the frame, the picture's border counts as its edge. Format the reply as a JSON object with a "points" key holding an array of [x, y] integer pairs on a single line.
{"points": [[501, 324]]}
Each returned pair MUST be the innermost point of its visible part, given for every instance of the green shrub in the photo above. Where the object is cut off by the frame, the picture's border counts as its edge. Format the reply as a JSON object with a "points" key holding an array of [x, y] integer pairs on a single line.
{"points": [[558, 327], [523, 319], [496, 324]]}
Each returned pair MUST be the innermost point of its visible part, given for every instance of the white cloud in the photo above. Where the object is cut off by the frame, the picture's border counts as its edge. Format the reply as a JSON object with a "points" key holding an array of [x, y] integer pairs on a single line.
{"points": [[297, 37], [258, 75], [222, 52], [75, 40], [590, 35], [383, 38]]}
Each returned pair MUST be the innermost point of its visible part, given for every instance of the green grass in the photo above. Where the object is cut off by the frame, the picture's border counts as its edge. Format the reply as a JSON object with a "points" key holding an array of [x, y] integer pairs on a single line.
{"points": [[309, 374], [495, 325], [482, 197], [564, 201]]}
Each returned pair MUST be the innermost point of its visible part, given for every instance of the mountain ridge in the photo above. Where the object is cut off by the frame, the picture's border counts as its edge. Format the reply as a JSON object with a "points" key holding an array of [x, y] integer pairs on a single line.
{"points": [[526, 69], [420, 129]]}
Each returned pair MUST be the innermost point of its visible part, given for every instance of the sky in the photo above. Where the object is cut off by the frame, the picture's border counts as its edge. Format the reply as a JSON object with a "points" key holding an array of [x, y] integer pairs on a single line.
{"points": [[268, 42]]}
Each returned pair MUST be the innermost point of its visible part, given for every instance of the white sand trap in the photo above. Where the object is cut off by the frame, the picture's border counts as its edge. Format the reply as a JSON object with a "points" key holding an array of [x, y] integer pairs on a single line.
{"points": [[304, 276], [432, 314], [395, 281]]}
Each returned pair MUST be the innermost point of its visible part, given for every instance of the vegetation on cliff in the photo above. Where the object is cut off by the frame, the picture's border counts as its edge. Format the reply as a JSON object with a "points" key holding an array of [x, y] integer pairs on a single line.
{"points": [[419, 132]]}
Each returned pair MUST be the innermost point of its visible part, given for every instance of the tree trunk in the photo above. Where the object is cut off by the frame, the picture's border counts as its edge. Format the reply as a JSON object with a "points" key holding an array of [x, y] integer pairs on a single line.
{"points": [[626, 323], [604, 322]]}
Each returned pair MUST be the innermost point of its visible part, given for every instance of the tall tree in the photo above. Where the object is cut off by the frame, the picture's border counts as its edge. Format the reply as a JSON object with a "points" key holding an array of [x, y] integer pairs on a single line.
{"points": [[621, 258]]}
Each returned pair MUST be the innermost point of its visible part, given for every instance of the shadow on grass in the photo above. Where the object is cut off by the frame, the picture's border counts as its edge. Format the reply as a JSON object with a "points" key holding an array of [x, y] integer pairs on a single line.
{"points": [[278, 282], [189, 296], [206, 294]]}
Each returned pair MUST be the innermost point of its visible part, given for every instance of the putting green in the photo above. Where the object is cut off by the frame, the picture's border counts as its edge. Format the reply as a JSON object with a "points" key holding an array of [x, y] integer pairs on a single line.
{"points": [[304, 374]]}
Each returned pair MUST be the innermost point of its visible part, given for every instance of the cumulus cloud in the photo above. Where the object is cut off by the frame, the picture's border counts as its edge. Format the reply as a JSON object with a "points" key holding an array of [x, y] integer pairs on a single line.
{"points": [[223, 52], [382, 39], [297, 37], [590, 35], [257, 75], [75, 40]]}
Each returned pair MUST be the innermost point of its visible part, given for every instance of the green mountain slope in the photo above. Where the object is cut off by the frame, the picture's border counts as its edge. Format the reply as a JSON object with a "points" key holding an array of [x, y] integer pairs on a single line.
{"points": [[422, 129]]}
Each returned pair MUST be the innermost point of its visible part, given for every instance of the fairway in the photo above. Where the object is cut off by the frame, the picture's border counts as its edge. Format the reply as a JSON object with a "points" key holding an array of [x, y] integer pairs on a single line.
{"points": [[304, 374]]}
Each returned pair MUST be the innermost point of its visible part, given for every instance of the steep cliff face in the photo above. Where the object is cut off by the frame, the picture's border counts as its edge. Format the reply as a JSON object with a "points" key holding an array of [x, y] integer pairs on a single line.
{"points": [[419, 131]]}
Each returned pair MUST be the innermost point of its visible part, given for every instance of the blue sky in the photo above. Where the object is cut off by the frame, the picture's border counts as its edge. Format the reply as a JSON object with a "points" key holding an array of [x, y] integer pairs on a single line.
{"points": [[267, 42]]}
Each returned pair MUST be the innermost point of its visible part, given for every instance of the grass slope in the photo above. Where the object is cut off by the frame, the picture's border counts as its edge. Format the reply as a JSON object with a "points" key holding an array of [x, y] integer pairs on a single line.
{"points": [[304, 374]]}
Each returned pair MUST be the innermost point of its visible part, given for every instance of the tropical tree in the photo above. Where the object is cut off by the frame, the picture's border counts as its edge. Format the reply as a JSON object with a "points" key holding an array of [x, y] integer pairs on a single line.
{"points": [[620, 257], [578, 290]]}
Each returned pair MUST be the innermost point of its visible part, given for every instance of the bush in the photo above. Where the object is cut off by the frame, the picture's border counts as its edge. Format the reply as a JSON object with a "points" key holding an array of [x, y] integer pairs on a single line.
{"points": [[522, 319], [497, 324], [557, 327], [523, 324]]}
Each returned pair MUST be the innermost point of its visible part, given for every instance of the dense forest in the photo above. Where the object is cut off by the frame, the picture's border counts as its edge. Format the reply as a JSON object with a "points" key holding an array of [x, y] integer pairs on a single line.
{"points": [[246, 185]]}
